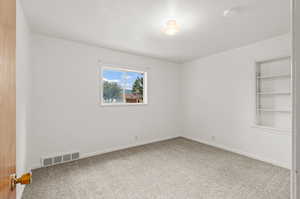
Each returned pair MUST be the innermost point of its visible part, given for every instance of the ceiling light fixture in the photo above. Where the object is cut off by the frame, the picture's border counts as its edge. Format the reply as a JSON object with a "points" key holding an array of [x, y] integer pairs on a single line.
{"points": [[171, 27], [230, 11]]}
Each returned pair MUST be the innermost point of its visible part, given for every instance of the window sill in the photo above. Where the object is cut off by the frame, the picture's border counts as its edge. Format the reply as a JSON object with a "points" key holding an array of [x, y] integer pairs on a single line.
{"points": [[122, 104]]}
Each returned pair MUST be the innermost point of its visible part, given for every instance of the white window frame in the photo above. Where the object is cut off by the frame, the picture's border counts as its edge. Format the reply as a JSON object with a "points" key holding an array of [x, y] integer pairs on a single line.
{"points": [[122, 69]]}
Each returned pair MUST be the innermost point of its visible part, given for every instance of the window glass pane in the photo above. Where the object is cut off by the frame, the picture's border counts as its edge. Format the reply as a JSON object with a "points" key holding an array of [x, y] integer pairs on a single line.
{"points": [[113, 86], [134, 92], [122, 86]]}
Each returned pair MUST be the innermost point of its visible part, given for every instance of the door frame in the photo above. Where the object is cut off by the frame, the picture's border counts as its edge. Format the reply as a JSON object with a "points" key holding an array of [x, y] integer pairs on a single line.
{"points": [[295, 182]]}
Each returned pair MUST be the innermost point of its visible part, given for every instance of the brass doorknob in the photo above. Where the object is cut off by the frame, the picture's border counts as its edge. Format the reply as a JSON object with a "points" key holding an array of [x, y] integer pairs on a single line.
{"points": [[24, 179]]}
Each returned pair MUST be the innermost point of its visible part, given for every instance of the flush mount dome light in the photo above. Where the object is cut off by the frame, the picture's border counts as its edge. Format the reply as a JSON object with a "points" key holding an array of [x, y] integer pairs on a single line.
{"points": [[230, 12], [171, 27]]}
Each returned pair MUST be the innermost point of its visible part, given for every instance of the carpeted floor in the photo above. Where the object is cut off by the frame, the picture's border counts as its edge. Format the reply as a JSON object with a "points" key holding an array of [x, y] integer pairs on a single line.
{"points": [[174, 169]]}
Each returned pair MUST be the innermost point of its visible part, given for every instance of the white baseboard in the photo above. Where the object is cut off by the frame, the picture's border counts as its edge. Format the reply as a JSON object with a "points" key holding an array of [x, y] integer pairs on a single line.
{"points": [[253, 156], [87, 155], [95, 153]]}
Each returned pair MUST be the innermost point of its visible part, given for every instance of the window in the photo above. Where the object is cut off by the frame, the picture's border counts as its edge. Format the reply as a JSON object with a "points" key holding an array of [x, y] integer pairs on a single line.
{"points": [[122, 86]]}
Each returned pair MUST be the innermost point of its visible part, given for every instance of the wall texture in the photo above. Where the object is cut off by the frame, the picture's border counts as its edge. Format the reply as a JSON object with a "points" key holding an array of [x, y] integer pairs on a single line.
{"points": [[23, 89], [218, 102], [65, 113]]}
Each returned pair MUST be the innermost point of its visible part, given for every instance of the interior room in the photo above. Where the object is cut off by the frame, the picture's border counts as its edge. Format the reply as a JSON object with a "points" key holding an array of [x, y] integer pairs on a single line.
{"points": [[161, 99]]}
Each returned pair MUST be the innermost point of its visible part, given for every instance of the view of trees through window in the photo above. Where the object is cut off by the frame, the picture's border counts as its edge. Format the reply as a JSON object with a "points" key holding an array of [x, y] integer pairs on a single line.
{"points": [[122, 86]]}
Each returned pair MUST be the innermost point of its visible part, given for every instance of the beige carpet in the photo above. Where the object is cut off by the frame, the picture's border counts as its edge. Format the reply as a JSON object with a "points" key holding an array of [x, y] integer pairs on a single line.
{"points": [[174, 169]]}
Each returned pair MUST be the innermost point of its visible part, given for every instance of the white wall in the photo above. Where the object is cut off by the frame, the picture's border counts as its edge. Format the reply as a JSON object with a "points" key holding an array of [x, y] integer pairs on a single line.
{"points": [[212, 96], [23, 85], [65, 113], [218, 100]]}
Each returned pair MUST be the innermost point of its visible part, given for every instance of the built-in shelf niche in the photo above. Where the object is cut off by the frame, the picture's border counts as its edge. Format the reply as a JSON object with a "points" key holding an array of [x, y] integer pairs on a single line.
{"points": [[273, 94]]}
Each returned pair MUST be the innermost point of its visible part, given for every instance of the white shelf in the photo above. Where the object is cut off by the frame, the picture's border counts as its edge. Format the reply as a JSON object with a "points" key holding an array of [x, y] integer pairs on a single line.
{"points": [[274, 76], [273, 110], [273, 93], [273, 129]]}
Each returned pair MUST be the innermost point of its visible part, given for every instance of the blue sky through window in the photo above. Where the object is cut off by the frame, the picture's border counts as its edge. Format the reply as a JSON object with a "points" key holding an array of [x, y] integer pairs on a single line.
{"points": [[121, 77]]}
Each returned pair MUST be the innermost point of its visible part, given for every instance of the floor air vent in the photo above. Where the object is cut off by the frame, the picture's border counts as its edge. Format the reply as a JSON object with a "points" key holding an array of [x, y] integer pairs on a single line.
{"points": [[75, 156], [57, 159], [47, 162], [66, 157]]}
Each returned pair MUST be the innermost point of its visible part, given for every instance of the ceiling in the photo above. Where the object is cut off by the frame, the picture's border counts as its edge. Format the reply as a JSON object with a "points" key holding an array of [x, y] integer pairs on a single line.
{"points": [[134, 26]]}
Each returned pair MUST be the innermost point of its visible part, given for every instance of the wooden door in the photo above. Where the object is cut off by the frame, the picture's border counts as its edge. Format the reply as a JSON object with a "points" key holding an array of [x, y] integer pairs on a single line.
{"points": [[7, 96]]}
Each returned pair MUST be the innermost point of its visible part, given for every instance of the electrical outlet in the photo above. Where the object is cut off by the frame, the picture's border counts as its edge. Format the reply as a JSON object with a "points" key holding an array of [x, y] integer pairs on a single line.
{"points": [[213, 138], [136, 138]]}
